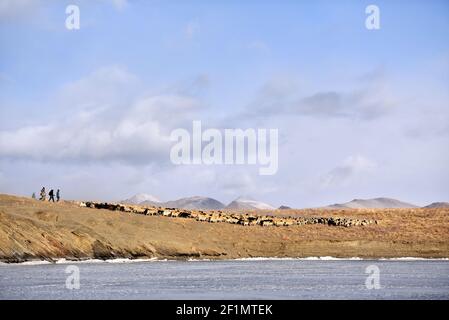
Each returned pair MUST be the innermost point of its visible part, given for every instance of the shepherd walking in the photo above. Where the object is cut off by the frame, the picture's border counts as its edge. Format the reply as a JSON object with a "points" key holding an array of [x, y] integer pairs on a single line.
{"points": [[51, 196]]}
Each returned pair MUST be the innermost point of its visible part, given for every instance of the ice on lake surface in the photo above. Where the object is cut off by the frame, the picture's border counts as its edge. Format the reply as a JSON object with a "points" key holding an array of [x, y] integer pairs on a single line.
{"points": [[232, 279]]}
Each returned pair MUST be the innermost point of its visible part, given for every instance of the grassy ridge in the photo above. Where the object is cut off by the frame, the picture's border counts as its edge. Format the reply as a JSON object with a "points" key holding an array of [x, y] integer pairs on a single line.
{"points": [[31, 229]]}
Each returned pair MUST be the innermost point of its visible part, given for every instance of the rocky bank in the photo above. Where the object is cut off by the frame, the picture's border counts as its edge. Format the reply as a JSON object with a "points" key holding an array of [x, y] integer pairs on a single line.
{"points": [[35, 230]]}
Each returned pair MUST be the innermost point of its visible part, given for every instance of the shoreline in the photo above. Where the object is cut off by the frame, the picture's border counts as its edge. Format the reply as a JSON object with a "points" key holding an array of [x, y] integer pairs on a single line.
{"points": [[63, 261]]}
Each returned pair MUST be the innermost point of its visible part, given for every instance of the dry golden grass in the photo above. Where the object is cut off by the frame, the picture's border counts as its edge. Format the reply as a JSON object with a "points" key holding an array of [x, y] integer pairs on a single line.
{"points": [[31, 229]]}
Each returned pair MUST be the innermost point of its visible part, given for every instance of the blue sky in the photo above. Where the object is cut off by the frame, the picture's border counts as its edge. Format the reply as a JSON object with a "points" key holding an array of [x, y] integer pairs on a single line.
{"points": [[230, 64]]}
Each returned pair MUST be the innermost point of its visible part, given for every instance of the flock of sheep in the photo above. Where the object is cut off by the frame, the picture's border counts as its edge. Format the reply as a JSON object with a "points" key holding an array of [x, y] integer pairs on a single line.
{"points": [[248, 219]]}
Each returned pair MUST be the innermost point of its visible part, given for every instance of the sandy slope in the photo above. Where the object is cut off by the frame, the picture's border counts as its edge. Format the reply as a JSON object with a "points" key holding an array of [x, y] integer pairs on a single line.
{"points": [[31, 229]]}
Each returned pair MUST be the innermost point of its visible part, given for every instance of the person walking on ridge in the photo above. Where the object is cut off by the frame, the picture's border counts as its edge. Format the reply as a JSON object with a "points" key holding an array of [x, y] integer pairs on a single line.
{"points": [[51, 196], [57, 196], [43, 194]]}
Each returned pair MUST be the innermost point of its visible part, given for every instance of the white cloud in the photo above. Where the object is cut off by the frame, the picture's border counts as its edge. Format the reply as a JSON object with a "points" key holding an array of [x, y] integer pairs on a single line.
{"points": [[372, 99], [366, 103], [94, 127], [104, 86], [351, 168]]}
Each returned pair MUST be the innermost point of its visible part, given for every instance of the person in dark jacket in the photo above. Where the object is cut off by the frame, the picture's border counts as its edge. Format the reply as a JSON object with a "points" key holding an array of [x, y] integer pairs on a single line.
{"points": [[51, 196]]}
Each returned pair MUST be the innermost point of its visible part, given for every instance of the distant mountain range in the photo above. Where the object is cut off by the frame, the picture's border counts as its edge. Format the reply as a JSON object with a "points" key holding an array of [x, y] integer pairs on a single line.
{"points": [[141, 197], [438, 205], [246, 203], [372, 203], [198, 203]]}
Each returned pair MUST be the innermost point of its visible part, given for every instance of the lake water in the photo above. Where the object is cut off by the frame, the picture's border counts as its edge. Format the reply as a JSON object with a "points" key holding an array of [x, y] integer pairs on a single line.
{"points": [[233, 279]]}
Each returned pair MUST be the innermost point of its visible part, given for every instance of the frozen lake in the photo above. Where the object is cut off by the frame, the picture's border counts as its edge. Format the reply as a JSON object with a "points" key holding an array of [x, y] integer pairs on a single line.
{"points": [[233, 279]]}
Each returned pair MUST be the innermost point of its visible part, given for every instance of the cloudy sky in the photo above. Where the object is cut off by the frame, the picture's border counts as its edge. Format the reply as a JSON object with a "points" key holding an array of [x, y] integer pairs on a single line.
{"points": [[361, 113]]}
